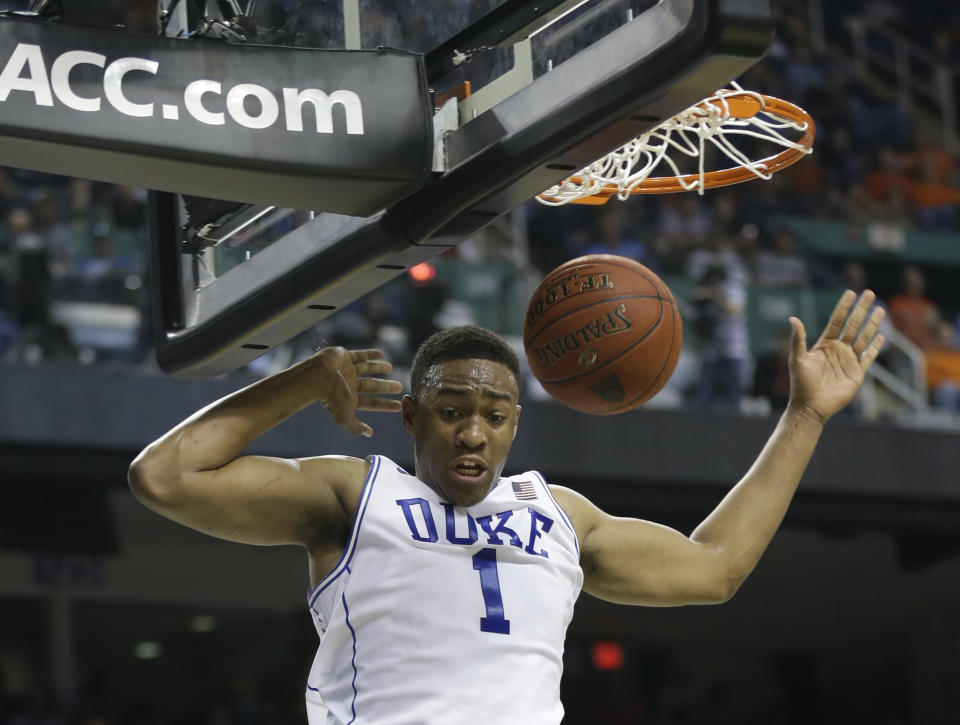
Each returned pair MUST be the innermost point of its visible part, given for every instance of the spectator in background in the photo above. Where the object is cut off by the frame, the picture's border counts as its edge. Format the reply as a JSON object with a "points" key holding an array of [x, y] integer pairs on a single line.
{"points": [[128, 207], [803, 72], [728, 217], [829, 106], [104, 271], [943, 368], [612, 235], [684, 218], [874, 120], [30, 270], [9, 193], [8, 335], [911, 312], [719, 250], [842, 161], [859, 207], [855, 276], [39, 339], [805, 182], [933, 191], [926, 176], [781, 266], [771, 376], [884, 12], [720, 326], [945, 45], [935, 202], [887, 174], [82, 209], [894, 210], [57, 239], [927, 157], [556, 234]]}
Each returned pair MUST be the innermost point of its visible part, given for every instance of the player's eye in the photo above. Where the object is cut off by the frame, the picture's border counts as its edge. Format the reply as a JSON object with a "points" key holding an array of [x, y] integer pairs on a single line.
{"points": [[449, 413], [496, 418]]}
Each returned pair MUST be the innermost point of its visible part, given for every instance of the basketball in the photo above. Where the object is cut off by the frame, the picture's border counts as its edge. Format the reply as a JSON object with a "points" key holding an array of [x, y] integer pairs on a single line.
{"points": [[602, 334]]}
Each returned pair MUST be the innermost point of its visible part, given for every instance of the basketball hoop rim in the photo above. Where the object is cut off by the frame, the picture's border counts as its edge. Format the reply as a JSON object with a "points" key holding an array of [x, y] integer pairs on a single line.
{"points": [[739, 102]]}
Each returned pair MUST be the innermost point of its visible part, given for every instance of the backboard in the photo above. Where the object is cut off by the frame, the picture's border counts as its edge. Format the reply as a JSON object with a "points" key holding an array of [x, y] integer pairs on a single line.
{"points": [[523, 93]]}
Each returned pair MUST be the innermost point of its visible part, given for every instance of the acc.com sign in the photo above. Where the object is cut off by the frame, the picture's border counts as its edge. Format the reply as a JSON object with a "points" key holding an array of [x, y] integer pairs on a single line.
{"points": [[204, 100], [351, 130]]}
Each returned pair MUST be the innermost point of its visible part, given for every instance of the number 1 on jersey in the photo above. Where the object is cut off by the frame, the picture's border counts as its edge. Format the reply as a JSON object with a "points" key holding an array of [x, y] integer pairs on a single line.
{"points": [[485, 562]]}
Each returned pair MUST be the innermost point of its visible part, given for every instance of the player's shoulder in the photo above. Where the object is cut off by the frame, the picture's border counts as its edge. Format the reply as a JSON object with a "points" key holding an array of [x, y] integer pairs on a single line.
{"points": [[335, 465], [348, 475], [567, 496], [582, 512], [345, 475]]}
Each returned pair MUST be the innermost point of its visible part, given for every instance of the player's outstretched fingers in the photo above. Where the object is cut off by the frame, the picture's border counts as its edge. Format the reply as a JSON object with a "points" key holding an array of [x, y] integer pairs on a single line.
{"points": [[868, 330], [372, 392], [359, 356], [379, 386], [839, 316], [373, 367], [798, 338], [381, 405], [342, 407], [858, 315], [870, 354]]}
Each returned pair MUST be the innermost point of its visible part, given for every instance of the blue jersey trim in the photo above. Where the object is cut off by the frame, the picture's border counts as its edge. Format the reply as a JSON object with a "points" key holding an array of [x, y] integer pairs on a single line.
{"points": [[563, 514], [353, 659], [351, 546]]}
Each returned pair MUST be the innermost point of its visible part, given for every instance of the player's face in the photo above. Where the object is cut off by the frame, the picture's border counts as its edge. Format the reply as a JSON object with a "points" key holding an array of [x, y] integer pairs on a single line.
{"points": [[463, 427]]}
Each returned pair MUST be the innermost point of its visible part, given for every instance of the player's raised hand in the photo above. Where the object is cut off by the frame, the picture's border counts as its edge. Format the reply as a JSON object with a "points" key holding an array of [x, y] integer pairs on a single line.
{"points": [[825, 378], [349, 383]]}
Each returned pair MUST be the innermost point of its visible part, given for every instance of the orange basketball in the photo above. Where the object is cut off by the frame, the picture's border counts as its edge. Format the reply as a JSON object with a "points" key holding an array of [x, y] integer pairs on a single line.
{"points": [[602, 334]]}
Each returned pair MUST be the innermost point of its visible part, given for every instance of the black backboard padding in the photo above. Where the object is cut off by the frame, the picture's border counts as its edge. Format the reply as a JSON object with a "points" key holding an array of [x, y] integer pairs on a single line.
{"points": [[178, 349]]}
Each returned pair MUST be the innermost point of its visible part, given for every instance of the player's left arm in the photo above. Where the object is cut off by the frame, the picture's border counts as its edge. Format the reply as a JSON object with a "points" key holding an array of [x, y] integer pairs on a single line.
{"points": [[638, 562]]}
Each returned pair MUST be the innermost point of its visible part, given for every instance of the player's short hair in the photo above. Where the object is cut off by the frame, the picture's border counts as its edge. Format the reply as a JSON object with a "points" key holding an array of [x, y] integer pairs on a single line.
{"points": [[465, 342]]}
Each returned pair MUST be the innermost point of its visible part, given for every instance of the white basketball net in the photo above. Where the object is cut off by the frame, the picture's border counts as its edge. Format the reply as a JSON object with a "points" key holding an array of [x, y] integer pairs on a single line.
{"points": [[687, 133]]}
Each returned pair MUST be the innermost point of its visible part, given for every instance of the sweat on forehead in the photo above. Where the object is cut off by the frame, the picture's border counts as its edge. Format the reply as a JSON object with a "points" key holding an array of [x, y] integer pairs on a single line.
{"points": [[483, 375]]}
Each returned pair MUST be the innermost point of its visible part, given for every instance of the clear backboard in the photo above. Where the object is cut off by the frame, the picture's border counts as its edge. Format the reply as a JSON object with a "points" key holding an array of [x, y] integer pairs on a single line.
{"points": [[523, 93]]}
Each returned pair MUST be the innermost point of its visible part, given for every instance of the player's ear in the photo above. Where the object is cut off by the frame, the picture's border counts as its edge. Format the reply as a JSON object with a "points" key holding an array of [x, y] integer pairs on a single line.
{"points": [[516, 423], [408, 410]]}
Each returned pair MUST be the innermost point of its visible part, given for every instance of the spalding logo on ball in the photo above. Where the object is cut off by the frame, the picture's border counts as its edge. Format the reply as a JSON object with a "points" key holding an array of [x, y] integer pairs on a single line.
{"points": [[602, 334]]}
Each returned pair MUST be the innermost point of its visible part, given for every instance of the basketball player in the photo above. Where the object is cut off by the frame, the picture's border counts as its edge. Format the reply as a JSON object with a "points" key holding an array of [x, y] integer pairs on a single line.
{"points": [[443, 598]]}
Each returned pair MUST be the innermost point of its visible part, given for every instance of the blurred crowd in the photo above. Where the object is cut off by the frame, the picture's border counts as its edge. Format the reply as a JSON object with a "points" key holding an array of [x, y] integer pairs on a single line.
{"points": [[930, 24], [74, 284], [72, 270]]}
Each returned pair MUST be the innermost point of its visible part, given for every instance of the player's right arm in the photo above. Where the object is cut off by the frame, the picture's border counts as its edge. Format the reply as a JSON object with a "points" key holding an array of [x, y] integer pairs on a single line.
{"points": [[195, 473]]}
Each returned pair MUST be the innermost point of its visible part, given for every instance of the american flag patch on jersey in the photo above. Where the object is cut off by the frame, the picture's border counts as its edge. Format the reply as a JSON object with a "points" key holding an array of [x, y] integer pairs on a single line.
{"points": [[524, 490]]}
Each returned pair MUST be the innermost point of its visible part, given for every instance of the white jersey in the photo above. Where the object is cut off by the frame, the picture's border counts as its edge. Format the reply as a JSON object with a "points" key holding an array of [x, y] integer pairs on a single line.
{"points": [[443, 615]]}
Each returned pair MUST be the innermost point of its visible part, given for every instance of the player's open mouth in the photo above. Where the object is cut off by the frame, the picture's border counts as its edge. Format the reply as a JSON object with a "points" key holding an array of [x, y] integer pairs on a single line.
{"points": [[469, 471]]}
